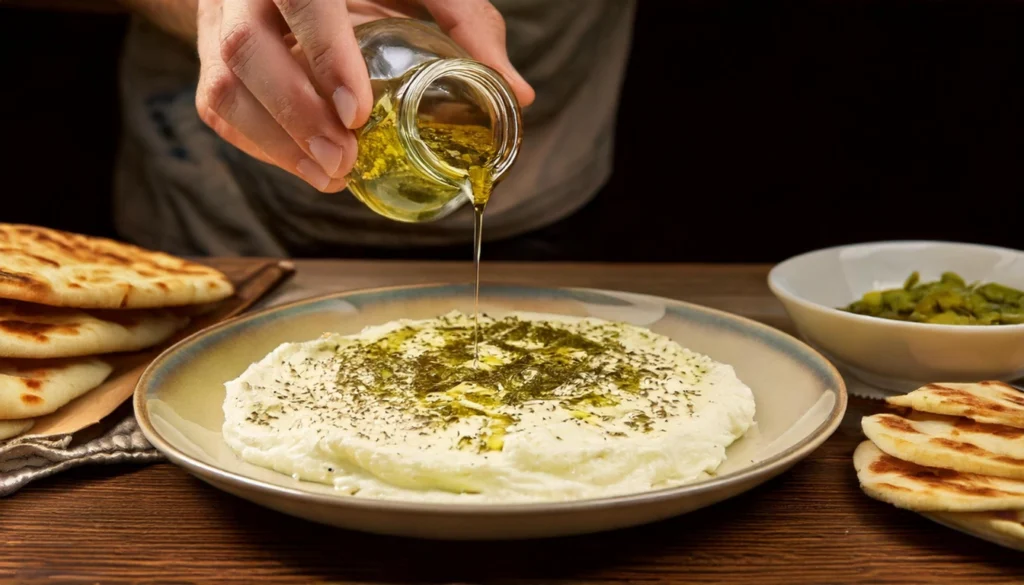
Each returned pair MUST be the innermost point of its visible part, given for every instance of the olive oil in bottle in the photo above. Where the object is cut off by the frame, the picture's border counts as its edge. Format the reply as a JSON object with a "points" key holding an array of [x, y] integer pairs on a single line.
{"points": [[437, 115]]}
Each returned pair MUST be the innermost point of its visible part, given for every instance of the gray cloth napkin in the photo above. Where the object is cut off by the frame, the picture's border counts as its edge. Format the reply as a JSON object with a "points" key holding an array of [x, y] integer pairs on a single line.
{"points": [[29, 458]]}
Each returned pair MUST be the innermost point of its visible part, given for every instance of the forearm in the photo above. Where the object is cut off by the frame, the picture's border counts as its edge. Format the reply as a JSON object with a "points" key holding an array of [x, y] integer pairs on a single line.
{"points": [[177, 17]]}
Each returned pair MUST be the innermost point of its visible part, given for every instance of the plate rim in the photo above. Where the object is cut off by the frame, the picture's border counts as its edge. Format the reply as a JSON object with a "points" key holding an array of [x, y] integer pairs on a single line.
{"points": [[780, 461]]}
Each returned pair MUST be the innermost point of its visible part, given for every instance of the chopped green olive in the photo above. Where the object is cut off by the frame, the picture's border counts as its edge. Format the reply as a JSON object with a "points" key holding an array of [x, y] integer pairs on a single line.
{"points": [[947, 301]]}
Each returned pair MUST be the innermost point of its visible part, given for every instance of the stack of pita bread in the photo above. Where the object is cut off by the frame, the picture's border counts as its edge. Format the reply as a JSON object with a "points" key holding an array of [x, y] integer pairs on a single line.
{"points": [[953, 452], [68, 300]]}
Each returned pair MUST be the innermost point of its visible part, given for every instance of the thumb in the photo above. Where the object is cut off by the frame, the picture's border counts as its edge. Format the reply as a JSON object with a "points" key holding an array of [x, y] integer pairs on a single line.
{"points": [[478, 27]]}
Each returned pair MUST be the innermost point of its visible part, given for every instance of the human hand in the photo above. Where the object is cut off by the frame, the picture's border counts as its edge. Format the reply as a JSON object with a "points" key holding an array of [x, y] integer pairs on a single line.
{"points": [[284, 81]]}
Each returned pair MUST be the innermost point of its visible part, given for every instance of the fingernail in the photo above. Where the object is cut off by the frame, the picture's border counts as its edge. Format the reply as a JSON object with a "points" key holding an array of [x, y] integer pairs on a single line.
{"points": [[313, 173], [325, 152], [345, 103]]}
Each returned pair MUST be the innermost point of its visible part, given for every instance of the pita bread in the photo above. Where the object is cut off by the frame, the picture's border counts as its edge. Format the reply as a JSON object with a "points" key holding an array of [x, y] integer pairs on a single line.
{"points": [[950, 443], [38, 331], [32, 388], [987, 402], [1004, 527], [12, 428], [50, 267], [930, 489]]}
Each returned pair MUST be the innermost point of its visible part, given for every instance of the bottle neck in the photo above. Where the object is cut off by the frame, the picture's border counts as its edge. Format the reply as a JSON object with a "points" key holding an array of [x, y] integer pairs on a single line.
{"points": [[492, 95]]}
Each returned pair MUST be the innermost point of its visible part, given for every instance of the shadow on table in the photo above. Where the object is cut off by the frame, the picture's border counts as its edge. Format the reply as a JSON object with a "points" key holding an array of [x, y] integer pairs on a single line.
{"points": [[323, 552]]}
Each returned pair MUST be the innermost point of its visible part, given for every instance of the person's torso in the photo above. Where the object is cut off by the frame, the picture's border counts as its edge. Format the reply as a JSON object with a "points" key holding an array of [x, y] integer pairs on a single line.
{"points": [[182, 189]]}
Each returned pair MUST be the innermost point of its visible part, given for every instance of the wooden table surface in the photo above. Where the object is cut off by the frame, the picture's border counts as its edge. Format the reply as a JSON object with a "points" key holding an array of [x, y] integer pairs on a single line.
{"points": [[811, 525]]}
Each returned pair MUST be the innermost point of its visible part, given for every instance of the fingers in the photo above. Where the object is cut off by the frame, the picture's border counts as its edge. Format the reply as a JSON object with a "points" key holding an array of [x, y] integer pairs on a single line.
{"points": [[299, 115], [252, 47], [323, 28], [478, 27], [234, 113]]}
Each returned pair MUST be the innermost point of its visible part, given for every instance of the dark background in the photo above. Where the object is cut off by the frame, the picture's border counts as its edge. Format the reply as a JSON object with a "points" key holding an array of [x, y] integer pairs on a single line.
{"points": [[749, 131]]}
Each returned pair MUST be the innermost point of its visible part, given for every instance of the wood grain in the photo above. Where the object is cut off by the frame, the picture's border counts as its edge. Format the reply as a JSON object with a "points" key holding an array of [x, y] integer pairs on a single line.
{"points": [[811, 525]]}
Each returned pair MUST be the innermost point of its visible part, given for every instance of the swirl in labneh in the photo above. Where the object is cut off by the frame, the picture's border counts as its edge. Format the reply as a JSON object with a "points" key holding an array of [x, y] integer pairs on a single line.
{"points": [[557, 408]]}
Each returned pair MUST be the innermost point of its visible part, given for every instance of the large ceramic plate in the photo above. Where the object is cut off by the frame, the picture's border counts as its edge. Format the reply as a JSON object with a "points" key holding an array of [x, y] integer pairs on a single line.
{"points": [[800, 401]]}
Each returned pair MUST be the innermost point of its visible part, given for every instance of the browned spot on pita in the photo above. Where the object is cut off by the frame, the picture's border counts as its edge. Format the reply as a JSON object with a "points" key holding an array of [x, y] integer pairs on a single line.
{"points": [[54, 243], [974, 404], [30, 399], [1010, 393], [174, 265], [117, 259], [1013, 395], [162, 285], [32, 384], [23, 279], [942, 479], [37, 331], [53, 263], [975, 450], [887, 464], [42, 260], [74, 285], [897, 488], [39, 259], [969, 426], [896, 423], [959, 446]]}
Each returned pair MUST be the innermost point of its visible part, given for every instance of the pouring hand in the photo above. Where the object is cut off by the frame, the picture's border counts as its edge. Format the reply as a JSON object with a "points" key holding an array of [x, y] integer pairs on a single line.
{"points": [[284, 80]]}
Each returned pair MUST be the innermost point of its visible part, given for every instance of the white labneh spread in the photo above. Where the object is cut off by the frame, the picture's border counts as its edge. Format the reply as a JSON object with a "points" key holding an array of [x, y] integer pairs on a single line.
{"points": [[555, 408]]}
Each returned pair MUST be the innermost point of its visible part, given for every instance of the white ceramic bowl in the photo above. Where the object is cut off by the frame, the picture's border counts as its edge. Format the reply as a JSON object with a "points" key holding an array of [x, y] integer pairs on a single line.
{"points": [[898, 355]]}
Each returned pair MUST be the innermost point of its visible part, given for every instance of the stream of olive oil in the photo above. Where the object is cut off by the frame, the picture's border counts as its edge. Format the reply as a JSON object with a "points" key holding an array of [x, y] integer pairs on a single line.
{"points": [[481, 183], [401, 192]]}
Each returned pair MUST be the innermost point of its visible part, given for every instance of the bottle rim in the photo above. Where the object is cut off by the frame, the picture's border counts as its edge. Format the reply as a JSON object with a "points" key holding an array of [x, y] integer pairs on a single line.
{"points": [[498, 98]]}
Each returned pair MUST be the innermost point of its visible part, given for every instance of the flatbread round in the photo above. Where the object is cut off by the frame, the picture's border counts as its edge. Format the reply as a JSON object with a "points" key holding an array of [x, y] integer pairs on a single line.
{"points": [[1003, 527], [51, 267], [930, 489], [12, 428], [953, 443], [28, 330], [988, 402], [32, 388]]}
